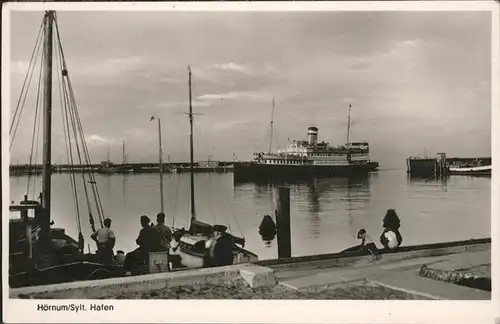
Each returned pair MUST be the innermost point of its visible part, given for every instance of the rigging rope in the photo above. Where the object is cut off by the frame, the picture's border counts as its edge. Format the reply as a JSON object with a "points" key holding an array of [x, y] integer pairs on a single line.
{"points": [[211, 204], [36, 130], [70, 114], [83, 154], [69, 151], [175, 201], [234, 215], [28, 77]]}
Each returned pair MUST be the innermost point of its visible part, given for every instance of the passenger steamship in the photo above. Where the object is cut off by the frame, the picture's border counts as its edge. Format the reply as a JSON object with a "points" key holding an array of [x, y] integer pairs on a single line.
{"points": [[308, 159]]}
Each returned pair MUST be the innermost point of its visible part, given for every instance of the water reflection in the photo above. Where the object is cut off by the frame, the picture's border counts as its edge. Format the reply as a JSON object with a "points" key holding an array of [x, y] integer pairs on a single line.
{"points": [[125, 180], [325, 213], [441, 182], [320, 203]]}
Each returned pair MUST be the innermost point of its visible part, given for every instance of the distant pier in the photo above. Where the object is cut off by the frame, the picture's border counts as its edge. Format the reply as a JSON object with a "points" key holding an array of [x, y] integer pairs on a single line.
{"points": [[175, 167]]}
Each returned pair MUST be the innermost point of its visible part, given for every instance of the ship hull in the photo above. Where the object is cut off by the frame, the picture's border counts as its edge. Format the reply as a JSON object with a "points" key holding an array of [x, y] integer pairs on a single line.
{"points": [[253, 171]]}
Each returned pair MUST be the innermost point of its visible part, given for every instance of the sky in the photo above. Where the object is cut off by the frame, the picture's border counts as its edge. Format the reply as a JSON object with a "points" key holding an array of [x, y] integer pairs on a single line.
{"points": [[418, 82]]}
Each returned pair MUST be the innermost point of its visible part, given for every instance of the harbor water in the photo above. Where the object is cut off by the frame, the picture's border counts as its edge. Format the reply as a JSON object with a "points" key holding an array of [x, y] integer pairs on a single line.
{"points": [[325, 213]]}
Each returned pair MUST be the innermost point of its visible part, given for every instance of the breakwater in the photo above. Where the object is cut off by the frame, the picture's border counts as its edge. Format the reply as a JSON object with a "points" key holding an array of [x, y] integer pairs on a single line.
{"points": [[175, 167]]}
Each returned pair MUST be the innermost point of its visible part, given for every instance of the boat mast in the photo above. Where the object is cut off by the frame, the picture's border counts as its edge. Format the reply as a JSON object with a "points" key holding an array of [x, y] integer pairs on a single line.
{"points": [[191, 153], [123, 152], [272, 125], [160, 159], [47, 115], [348, 124]]}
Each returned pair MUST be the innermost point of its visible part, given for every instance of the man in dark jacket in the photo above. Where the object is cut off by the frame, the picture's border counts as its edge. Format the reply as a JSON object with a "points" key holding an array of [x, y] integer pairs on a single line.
{"points": [[221, 250], [149, 240]]}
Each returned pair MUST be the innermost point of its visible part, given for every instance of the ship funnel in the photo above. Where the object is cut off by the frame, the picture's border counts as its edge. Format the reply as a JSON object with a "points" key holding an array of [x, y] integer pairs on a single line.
{"points": [[312, 135]]}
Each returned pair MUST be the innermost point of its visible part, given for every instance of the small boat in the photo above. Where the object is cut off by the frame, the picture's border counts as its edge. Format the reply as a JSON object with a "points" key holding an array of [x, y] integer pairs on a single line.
{"points": [[40, 254], [476, 170], [108, 167]]}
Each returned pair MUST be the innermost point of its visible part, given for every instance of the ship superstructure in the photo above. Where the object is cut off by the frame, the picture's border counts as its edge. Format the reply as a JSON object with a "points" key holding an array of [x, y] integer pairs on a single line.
{"points": [[314, 153]]}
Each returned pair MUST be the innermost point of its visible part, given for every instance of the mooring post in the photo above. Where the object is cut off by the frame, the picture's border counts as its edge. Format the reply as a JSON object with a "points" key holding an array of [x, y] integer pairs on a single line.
{"points": [[282, 214]]}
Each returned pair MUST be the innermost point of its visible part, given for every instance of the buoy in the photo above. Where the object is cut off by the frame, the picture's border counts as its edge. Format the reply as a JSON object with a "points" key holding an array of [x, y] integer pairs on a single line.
{"points": [[267, 228]]}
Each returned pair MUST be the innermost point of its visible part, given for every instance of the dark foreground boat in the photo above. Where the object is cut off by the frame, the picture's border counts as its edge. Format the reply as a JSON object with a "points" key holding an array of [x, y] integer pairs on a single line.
{"points": [[38, 253]]}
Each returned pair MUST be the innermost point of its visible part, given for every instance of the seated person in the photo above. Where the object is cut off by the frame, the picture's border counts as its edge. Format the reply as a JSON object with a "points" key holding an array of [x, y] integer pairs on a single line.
{"points": [[149, 240], [367, 243]]}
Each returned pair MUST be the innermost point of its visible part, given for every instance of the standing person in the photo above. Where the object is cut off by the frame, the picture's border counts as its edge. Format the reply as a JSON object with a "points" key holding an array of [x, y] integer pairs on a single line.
{"points": [[164, 231], [391, 237], [175, 250], [105, 239], [209, 244]]}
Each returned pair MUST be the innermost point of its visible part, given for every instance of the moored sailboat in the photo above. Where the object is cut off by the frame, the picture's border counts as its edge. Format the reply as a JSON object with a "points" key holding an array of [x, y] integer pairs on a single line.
{"points": [[192, 241], [38, 253]]}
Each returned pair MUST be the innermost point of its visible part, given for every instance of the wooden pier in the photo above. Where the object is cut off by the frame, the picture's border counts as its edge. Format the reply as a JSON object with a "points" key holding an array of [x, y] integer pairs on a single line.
{"points": [[439, 166]]}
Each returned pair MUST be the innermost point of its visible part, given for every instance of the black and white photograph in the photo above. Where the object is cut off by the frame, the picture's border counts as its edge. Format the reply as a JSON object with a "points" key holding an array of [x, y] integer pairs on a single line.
{"points": [[233, 152]]}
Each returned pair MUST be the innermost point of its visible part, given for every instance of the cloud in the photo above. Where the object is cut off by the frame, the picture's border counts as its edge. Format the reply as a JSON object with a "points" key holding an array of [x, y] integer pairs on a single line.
{"points": [[95, 139], [233, 67], [362, 65], [117, 67], [113, 67], [236, 95], [19, 67], [241, 68], [184, 104], [232, 124]]}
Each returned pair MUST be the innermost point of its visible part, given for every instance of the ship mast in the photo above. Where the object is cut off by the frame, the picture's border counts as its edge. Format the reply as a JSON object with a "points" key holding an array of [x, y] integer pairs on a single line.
{"points": [[47, 115], [348, 124], [191, 153], [272, 125]]}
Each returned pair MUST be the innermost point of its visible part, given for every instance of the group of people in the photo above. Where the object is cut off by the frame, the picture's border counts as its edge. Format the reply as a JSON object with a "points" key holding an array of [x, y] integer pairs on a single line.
{"points": [[152, 238], [217, 249], [390, 238]]}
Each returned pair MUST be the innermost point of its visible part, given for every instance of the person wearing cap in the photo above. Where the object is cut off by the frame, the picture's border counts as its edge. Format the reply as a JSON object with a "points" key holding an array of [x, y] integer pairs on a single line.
{"points": [[221, 249], [105, 239], [164, 231]]}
